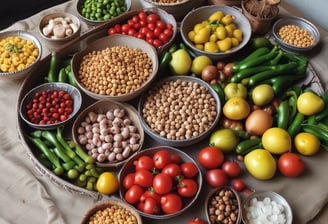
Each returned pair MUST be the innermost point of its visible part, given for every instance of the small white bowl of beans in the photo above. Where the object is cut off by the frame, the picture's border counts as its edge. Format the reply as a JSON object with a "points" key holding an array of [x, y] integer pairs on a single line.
{"points": [[296, 34], [20, 51], [111, 211], [117, 67], [179, 110], [109, 131]]}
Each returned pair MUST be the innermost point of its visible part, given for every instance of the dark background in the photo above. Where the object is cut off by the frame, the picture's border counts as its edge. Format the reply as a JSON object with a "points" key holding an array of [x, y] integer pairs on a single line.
{"points": [[14, 10]]}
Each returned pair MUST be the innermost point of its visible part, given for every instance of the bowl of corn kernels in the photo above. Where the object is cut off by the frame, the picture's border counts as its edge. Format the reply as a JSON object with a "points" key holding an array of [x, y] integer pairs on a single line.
{"points": [[20, 52], [295, 34]]}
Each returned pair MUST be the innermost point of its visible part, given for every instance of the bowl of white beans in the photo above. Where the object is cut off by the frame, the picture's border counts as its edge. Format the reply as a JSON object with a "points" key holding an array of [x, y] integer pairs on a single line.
{"points": [[266, 207], [117, 67], [57, 29], [109, 131], [179, 110]]}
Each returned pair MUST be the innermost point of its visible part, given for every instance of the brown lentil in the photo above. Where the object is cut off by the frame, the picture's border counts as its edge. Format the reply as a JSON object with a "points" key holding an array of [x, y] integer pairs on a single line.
{"points": [[113, 214], [223, 207], [179, 110], [115, 71], [296, 36]]}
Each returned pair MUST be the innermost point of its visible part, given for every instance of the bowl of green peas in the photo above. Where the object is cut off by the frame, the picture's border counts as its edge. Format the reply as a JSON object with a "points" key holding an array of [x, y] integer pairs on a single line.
{"points": [[97, 12]]}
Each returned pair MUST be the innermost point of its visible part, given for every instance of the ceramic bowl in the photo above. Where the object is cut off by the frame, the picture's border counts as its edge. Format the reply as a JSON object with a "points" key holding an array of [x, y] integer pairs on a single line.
{"points": [[18, 73], [200, 14]]}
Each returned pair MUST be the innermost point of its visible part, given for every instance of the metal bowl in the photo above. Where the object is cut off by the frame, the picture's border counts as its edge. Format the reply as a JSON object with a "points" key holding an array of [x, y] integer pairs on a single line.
{"points": [[94, 22], [260, 196], [187, 141], [74, 93], [129, 167], [102, 107], [301, 23], [112, 41], [202, 13], [20, 74]]}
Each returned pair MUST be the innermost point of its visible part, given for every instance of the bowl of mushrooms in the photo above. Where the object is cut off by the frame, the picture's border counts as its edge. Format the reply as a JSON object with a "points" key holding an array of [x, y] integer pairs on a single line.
{"points": [[59, 28], [109, 131]]}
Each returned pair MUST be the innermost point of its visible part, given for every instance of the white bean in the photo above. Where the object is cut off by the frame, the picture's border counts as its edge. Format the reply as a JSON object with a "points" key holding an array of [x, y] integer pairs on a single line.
{"points": [[109, 138], [119, 157], [118, 138], [92, 116], [126, 152], [101, 158], [83, 139], [110, 115], [111, 157], [107, 146]]}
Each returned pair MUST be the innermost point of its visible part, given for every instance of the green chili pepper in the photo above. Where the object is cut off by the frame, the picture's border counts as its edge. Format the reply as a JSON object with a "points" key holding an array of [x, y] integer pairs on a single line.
{"points": [[53, 68], [62, 76], [283, 115], [219, 90], [255, 54], [295, 124]]}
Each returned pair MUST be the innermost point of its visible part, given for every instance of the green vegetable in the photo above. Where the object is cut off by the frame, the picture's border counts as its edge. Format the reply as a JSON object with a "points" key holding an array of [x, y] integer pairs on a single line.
{"points": [[53, 68], [81, 153], [245, 73], [283, 115], [254, 55], [62, 76], [295, 124], [165, 60], [219, 90], [323, 113], [248, 145]]}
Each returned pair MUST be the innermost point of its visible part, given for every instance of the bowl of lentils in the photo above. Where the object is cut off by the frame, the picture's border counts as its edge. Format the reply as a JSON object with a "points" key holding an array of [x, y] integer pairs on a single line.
{"points": [[117, 67], [179, 110]]}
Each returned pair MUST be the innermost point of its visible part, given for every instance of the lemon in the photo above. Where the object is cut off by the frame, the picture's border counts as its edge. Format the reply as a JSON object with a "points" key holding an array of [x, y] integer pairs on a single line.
{"points": [[276, 140], [306, 144], [199, 63], [262, 94], [309, 103], [180, 63]]}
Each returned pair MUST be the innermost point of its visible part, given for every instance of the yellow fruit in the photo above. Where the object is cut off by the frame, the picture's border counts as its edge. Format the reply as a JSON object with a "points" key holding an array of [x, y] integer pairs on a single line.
{"points": [[262, 94], [216, 16], [276, 140], [225, 139], [260, 164], [306, 144], [180, 63], [199, 63], [309, 103], [236, 108], [107, 183], [225, 44], [210, 47]]}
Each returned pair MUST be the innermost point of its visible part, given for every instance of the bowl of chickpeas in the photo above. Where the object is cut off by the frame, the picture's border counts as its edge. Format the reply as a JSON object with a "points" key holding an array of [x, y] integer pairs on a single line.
{"points": [[95, 13], [217, 31], [109, 131], [117, 67], [20, 52], [112, 210], [295, 34], [179, 110]]}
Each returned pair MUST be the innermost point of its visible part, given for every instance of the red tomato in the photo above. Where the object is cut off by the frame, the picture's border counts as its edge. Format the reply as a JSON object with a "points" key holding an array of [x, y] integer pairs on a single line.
{"points": [[125, 28], [189, 169], [128, 180], [133, 194], [144, 30], [151, 26], [175, 158], [152, 18], [150, 194], [132, 32], [231, 168], [291, 164], [136, 19], [197, 221], [238, 184], [142, 16], [210, 157], [162, 183], [161, 24], [161, 158], [144, 162], [164, 37], [172, 169], [157, 31], [111, 31], [216, 178], [187, 188], [171, 203], [149, 206], [157, 43], [118, 28], [143, 177]]}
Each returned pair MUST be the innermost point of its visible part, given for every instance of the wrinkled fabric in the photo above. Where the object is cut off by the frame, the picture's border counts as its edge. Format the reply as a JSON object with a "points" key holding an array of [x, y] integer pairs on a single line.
{"points": [[28, 196]]}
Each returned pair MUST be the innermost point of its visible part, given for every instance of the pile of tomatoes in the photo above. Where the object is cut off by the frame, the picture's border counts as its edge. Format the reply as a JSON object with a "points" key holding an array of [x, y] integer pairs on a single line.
{"points": [[161, 183], [146, 26]]}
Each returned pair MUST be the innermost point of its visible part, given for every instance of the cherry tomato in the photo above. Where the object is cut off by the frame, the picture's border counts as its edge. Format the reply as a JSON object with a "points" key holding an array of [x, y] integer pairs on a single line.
{"points": [[118, 28], [172, 169], [144, 162], [151, 26], [161, 158], [152, 18], [162, 183], [132, 32], [238, 184], [157, 31], [135, 19], [216, 178], [143, 177], [171, 203], [210, 157], [111, 31], [175, 158], [187, 188], [149, 206], [157, 43], [128, 180], [150, 194], [142, 16], [125, 28], [231, 168], [161, 24], [197, 221], [133, 194], [189, 169], [290, 164]]}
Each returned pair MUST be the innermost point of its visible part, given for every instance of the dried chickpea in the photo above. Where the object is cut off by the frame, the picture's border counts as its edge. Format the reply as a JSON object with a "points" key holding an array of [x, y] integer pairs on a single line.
{"points": [[296, 36], [17, 53]]}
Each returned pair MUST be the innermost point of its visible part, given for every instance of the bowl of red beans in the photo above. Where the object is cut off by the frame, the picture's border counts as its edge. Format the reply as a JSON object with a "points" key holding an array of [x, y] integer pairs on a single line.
{"points": [[50, 105]]}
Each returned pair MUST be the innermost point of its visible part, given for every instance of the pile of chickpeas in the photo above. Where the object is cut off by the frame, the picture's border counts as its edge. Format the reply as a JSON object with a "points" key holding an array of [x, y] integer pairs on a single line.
{"points": [[296, 36], [112, 215], [179, 110], [223, 207], [17, 53], [115, 71]]}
